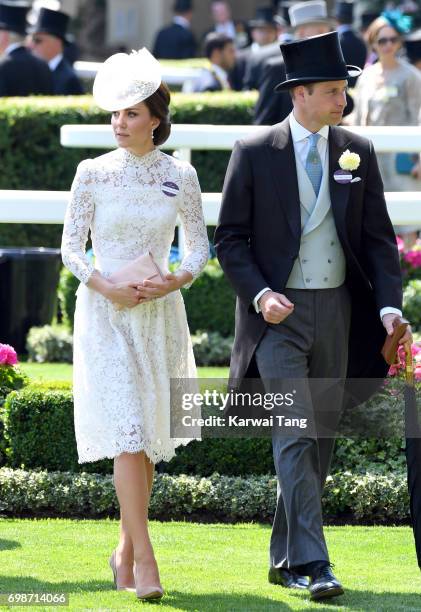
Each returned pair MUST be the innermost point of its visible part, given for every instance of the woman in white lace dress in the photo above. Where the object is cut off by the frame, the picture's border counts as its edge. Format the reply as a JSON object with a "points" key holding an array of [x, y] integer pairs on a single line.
{"points": [[129, 339]]}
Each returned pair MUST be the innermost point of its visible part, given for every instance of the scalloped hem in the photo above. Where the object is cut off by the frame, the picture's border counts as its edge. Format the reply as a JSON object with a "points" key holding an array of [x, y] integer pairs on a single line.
{"points": [[153, 456]]}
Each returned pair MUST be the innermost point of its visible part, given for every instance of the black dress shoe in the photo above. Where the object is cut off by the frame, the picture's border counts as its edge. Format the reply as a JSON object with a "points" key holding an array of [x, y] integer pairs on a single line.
{"points": [[287, 578], [323, 584]]}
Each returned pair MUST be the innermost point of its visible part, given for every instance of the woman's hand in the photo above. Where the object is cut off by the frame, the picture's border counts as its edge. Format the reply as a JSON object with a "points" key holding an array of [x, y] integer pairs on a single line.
{"points": [[150, 290], [124, 294]]}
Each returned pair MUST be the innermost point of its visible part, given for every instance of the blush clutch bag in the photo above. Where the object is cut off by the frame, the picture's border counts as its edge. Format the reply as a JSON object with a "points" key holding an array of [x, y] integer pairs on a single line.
{"points": [[142, 268]]}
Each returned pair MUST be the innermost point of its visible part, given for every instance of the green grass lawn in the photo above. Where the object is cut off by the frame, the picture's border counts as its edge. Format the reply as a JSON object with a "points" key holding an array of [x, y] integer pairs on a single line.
{"points": [[205, 567], [63, 371]]}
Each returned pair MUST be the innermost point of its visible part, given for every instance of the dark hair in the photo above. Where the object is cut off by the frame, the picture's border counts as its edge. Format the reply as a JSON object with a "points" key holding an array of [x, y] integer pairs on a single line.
{"points": [[158, 104], [214, 41]]}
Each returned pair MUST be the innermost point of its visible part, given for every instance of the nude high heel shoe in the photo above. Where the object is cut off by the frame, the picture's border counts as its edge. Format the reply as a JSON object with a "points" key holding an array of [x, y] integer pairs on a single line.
{"points": [[114, 570], [149, 592]]}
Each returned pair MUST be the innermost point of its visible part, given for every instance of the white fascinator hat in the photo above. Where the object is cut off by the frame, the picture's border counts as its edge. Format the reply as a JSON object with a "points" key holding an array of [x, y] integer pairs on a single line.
{"points": [[124, 80]]}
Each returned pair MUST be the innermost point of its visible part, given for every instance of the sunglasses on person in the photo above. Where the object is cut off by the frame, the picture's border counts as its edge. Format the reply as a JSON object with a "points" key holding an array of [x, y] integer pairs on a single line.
{"points": [[38, 40], [385, 40]]}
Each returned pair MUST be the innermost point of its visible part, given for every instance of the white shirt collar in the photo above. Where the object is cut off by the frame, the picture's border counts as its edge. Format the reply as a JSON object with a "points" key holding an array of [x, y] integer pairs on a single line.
{"points": [[53, 63], [12, 47], [220, 72], [344, 27], [299, 132], [180, 20]]}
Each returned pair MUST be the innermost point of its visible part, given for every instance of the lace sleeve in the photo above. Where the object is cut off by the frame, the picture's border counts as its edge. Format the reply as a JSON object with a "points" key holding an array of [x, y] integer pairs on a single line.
{"points": [[191, 215], [79, 213]]}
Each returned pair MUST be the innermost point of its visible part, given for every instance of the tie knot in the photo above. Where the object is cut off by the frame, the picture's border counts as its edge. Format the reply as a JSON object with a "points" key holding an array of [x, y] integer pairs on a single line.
{"points": [[314, 139]]}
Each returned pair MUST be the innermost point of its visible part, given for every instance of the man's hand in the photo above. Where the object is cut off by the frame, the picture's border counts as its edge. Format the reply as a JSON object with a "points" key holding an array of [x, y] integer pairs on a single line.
{"points": [[275, 307], [387, 322]]}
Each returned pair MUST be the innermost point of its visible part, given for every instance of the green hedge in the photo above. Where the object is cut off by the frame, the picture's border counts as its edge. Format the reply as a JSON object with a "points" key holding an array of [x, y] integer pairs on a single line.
{"points": [[370, 498], [38, 433], [32, 157]]}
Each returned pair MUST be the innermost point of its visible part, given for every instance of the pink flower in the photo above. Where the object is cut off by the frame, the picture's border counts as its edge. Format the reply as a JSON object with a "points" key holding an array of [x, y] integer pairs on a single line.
{"points": [[413, 258], [8, 355], [417, 373], [400, 243]]}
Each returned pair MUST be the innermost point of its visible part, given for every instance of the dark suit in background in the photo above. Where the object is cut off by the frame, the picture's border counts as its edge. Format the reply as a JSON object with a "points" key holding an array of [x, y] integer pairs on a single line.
{"points": [[65, 80], [353, 48], [272, 107], [23, 74], [174, 42]]}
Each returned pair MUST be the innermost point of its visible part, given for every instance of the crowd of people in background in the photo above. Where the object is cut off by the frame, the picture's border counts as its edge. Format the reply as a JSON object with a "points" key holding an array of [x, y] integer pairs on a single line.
{"points": [[244, 55], [37, 59]]}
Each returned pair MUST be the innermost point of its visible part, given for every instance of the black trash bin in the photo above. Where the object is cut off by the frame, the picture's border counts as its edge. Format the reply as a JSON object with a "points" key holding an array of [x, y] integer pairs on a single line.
{"points": [[28, 291]]}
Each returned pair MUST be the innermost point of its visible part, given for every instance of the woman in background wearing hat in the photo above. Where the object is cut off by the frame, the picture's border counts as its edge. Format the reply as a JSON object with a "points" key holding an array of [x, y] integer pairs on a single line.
{"points": [[389, 93], [131, 339]]}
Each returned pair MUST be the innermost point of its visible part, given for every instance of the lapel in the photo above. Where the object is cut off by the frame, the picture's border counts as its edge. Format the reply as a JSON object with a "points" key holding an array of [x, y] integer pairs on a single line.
{"points": [[281, 160], [339, 194]]}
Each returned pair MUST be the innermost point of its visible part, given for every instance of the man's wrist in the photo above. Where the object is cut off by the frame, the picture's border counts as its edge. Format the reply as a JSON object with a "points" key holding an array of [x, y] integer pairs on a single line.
{"points": [[257, 298]]}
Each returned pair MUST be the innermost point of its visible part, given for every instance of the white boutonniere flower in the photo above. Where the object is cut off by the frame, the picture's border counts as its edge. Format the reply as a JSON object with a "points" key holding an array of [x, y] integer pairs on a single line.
{"points": [[349, 161]]}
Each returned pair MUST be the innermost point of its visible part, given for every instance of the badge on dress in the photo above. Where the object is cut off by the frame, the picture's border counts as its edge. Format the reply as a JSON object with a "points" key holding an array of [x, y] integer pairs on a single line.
{"points": [[170, 189]]}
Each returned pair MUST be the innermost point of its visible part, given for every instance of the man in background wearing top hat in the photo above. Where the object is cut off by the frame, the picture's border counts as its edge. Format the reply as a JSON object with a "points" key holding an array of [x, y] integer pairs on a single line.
{"points": [[176, 41], [257, 61], [21, 74], [264, 32], [413, 48], [313, 260], [307, 19], [352, 44], [47, 42]]}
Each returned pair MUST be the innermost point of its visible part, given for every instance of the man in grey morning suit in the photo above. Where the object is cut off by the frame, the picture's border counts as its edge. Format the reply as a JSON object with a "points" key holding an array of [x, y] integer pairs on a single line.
{"points": [[315, 267]]}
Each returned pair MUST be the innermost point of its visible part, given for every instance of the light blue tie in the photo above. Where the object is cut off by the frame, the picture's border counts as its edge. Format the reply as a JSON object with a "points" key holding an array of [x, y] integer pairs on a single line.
{"points": [[314, 163]]}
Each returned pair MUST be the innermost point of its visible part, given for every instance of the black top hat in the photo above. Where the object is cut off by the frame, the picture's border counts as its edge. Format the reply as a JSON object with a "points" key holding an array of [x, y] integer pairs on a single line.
{"points": [[265, 16], [344, 11], [183, 6], [51, 22], [367, 18], [13, 16], [313, 60], [413, 46]]}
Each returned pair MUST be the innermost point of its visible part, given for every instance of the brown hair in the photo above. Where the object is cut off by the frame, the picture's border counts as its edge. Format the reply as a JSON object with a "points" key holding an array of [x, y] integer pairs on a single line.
{"points": [[158, 104], [375, 27], [308, 86]]}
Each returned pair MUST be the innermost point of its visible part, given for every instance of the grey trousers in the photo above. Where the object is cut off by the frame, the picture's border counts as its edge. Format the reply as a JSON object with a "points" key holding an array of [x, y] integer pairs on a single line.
{"points": [[312, 343]]}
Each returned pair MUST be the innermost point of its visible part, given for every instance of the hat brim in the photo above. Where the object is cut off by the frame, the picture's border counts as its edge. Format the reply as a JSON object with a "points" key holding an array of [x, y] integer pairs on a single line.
{"points": [[260, 23], [51, 31], [322, 21], [8, 27], [353, 72]]}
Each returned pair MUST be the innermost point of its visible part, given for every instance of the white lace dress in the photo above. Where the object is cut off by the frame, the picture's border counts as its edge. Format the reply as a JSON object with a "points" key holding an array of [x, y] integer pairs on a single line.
{"points": [[124, 359]]}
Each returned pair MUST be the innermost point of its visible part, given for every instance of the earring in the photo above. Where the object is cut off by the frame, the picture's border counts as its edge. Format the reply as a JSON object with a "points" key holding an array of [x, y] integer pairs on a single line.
{"points": [[152, 134]]}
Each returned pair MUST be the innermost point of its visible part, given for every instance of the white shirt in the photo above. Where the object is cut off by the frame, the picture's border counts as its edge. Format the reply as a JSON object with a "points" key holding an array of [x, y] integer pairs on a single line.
{"points": [[182, 21], [12, 47], [227, 28], [53, 63], [300, 137], [222, 75]]}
